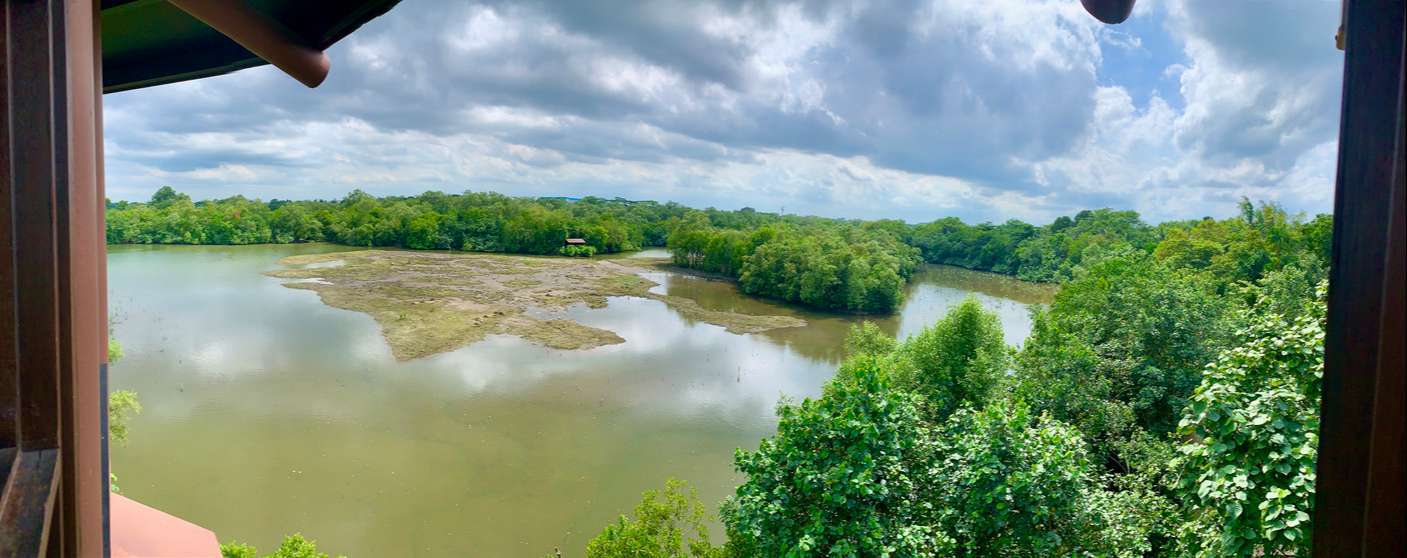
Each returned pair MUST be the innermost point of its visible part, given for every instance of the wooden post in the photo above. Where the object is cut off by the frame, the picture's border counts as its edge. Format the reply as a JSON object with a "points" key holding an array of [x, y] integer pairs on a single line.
{"points": [[1360, 492], [81, 248], [52, 323]]}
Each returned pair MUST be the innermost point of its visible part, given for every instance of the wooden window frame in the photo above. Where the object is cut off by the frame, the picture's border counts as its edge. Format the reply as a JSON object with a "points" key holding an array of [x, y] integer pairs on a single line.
{"points": [[1360, 489]]}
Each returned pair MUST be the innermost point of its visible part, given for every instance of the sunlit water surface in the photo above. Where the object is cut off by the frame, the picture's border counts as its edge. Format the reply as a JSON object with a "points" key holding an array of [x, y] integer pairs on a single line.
{"points": [[267, 412]]}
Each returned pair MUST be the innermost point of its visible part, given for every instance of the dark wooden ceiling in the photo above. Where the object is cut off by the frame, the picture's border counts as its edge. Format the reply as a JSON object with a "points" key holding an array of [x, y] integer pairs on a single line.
{"points": [[151, 42]]}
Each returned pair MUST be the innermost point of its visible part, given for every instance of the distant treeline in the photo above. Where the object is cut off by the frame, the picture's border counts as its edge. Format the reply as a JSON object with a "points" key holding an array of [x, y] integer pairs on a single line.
{"points": [[862, 265], [1261, 237], [473, 221], [849, 265]]}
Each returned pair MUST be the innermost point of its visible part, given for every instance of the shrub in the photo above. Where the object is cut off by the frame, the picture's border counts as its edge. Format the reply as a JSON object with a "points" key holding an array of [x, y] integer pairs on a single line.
{"points": [[840, 478], [667, 524], [578, 251], [955, 362], [1253, 429]]}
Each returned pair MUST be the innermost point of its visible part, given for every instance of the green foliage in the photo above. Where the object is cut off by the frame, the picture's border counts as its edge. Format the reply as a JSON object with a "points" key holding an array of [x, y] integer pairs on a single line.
{"points": [[668, 524], [431, 221], [1285, 291], [828, 264], [1252, 435], [167, 196], [916, 450], [941, 445], [114, 351], [831, 264], [1243, 249], [841, 477], [1120, 349], [1059, 373], [711, 249], [1008, 485], [865, 338], [235, 549], [578, 251], [293, 546], [1131, 518], [122, 405], [1048, 253], [956, 362], [1261, 239], [1318, 235]]}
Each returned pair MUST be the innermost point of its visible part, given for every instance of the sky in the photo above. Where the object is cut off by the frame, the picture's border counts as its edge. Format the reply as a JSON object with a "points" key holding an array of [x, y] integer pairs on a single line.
{"points": [[986, 110]]}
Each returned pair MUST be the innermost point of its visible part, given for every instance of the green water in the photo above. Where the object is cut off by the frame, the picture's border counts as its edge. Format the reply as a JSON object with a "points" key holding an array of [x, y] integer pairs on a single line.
{"points": [[268, 412]]}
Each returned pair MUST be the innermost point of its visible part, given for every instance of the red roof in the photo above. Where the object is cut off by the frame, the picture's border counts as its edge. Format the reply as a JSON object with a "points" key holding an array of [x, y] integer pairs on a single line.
{"points": [[140, 530]]}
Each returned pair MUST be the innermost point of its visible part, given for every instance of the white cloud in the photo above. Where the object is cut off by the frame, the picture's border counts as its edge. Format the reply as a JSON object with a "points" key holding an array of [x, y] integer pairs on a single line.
{"points": [[911, 109]]}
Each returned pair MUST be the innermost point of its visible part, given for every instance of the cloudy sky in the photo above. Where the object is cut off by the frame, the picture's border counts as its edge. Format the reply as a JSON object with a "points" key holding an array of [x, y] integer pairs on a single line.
{"points": [[986, 110]]}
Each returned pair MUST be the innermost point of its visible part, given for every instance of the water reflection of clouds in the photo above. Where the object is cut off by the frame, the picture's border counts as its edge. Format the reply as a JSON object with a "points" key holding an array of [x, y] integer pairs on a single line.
{"points": [[245, 380], [666, 365], [927, 303], [254, 338], [661, 280]]}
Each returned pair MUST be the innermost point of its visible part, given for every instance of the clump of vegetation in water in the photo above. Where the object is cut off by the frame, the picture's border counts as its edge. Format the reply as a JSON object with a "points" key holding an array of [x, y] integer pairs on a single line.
{"points": [[427, 303], [577, 251], [831, 265]]}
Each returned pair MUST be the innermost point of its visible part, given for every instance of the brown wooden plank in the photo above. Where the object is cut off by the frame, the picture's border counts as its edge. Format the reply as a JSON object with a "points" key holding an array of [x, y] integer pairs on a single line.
{"points": [[1358, 476], [28, 503], [36, 273]]}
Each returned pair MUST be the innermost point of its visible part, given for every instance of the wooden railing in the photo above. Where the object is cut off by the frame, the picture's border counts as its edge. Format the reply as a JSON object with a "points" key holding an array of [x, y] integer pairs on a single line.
{"points": [[27, 501]]}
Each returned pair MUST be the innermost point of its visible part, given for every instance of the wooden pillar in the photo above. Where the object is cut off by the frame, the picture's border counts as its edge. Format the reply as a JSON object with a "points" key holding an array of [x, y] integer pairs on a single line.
{"points": [[52, 321], [1360, 492], [81, 248]]}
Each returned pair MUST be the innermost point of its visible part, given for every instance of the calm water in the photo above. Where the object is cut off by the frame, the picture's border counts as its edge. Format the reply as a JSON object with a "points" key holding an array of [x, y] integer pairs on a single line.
{"points": [[269, 413]]}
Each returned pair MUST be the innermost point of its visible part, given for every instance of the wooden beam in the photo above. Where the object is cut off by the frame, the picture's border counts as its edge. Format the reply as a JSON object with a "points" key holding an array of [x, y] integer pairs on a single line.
{"points": [[261, 36]]}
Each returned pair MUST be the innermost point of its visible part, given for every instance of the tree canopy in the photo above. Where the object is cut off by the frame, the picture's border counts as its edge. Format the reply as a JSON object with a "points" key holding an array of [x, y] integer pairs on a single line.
{"points": [[1165, 403], [956, 362]]}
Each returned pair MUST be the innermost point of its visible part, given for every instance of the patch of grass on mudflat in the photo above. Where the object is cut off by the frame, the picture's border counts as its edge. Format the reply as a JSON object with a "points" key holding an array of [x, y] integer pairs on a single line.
{"points": [[428, 303]]}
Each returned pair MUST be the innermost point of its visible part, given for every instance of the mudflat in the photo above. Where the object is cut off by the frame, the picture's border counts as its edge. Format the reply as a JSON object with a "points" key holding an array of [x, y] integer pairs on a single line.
{"points": [[429, 302]]}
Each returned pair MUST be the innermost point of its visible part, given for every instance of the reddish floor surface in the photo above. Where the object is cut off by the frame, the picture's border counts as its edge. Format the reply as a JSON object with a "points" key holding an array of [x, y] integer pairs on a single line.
{"points": [[142, 531]]}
